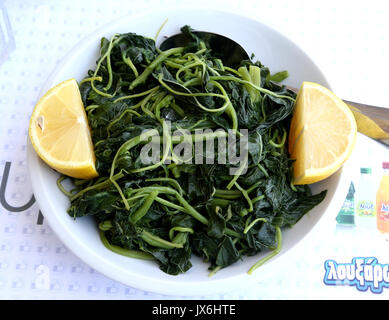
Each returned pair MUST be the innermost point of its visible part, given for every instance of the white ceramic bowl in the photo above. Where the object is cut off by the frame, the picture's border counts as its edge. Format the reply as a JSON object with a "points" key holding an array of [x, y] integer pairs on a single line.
{"points": [[80, 236]]}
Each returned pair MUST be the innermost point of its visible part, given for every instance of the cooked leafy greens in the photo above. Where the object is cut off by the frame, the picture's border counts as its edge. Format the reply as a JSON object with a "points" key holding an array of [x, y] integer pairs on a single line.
{"points": [[169, 210]]}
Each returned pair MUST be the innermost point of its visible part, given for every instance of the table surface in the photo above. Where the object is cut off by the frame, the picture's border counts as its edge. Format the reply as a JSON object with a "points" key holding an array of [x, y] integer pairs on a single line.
{"points": [[347, 39]]}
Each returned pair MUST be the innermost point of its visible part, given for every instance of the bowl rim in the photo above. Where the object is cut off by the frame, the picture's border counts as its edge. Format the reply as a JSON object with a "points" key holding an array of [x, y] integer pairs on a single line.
{"points": [[143, 282]]}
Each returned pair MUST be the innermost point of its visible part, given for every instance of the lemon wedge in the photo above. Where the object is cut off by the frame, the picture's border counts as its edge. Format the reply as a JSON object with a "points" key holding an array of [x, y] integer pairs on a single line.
{"points": [[322, 134], [60, 133]]}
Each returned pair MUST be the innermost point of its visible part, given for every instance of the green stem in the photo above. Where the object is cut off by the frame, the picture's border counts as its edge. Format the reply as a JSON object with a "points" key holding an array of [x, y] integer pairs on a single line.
{"points": [[252, 224], [98, 78], [227, 194], [188, 208], [223, 203], [238, 173], [263, 170], [125, 252], [105, 225], [142, 211], [150, 68], [128, 111], [180, 238], [184, 68], [100, 185], [245, 194], [167, 144], [60, 186], [263, 90], [214, 270], [179, 229], [160, 29], [271, 255], [158, 242], [194, 95], [169, 180], [112, 42], [232, 233], [192, 211], [130, 144], [170, 204], [281, 144], [128, 61], [137, 95], [256, 199]]}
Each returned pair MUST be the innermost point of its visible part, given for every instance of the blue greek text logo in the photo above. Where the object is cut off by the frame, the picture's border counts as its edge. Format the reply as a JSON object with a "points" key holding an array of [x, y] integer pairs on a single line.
{"points": [[363, 273]]}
